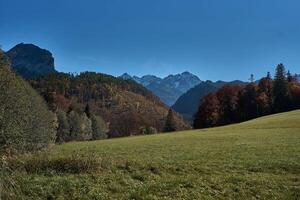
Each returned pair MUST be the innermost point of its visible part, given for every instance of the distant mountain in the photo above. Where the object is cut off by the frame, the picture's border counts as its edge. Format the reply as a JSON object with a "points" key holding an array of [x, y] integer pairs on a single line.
{"points": [[187, 104], [168, 89], [30, 61]]}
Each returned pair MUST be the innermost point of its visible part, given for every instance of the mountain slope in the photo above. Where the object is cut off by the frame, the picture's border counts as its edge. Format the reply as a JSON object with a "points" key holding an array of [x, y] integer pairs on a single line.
{"points": [[243, 161], [128, 107], [187, 104], [169, 88], [30, 61]]}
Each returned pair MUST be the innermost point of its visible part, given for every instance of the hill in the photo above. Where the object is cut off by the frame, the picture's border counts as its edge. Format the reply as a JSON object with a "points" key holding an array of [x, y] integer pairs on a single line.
{"points": [[258, 159], [168, 89], [187, 104], [30, 61], [126, 106]]}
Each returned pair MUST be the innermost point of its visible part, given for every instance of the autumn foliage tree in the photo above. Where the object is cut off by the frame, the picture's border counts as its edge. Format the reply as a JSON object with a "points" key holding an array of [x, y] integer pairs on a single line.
{"points": [[228, 98], [208, 113]]}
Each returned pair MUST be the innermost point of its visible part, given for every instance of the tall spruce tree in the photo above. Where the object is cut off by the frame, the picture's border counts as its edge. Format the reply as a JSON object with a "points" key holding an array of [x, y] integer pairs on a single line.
{"points": [[170, 124], [280, 90]]}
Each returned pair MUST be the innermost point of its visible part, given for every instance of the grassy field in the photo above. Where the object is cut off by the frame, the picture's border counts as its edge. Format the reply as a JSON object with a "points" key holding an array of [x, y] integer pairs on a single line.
{"points": [[259, 159]]}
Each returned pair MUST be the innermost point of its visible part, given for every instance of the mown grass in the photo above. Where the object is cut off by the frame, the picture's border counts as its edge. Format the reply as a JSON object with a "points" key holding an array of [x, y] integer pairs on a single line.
{"points": [[259, 159]]}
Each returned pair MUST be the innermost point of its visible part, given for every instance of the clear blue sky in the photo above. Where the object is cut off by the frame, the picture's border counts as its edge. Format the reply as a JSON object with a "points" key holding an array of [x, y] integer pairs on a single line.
{"points": [[215, 39]]}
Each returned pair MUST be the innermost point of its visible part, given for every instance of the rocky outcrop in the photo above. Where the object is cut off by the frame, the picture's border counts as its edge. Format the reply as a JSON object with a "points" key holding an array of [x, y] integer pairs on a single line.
{"points": [[31, 61]]}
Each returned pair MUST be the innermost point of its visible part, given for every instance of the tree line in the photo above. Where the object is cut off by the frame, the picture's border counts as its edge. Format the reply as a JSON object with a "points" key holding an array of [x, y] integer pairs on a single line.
{"points": [[237, 103]]}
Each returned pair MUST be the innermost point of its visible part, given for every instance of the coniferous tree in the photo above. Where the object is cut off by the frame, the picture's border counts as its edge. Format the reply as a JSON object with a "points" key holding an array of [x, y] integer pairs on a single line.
{"points": [[247, 103], [252, 79], [280, 90], [269, 76], [289, 76], [170, 124]]}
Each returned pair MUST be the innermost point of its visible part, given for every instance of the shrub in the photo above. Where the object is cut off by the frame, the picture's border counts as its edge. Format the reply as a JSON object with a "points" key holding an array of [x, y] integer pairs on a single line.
{"points": [[42, 163], [148, 130]]}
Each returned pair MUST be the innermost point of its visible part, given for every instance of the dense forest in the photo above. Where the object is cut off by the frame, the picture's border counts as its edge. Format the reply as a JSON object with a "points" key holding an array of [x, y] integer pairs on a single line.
{"points": [[237, 103], [117, 107]]}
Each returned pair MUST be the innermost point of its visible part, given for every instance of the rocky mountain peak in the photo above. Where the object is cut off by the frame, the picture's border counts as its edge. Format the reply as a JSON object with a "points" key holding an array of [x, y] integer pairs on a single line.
{"points": [[30, 61], [168, 88]]}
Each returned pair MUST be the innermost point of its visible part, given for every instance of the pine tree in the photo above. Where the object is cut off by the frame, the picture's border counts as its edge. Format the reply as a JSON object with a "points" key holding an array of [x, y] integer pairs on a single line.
{"points": [[252, 79], [170, 124], [280, 90], [269, 76]]}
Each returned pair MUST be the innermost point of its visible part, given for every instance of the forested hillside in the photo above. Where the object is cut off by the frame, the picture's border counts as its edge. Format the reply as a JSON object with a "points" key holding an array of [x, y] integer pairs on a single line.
{"points": [[124, 107]]}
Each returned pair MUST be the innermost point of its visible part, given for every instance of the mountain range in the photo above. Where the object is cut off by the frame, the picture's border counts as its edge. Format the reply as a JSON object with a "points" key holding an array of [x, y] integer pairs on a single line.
{"points": [[168, 89]]}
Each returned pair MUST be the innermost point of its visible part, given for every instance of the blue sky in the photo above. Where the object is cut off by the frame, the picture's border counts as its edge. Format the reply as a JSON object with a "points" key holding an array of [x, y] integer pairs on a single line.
{"points": [[214, 39]]}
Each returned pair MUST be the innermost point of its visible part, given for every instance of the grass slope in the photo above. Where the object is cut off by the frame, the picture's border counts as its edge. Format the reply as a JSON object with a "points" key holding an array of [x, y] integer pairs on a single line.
{"points": [[259, 159]]}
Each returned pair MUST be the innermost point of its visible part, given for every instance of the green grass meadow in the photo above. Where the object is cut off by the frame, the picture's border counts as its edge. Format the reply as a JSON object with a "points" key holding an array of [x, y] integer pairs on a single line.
{"points": [[259, 159]]}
